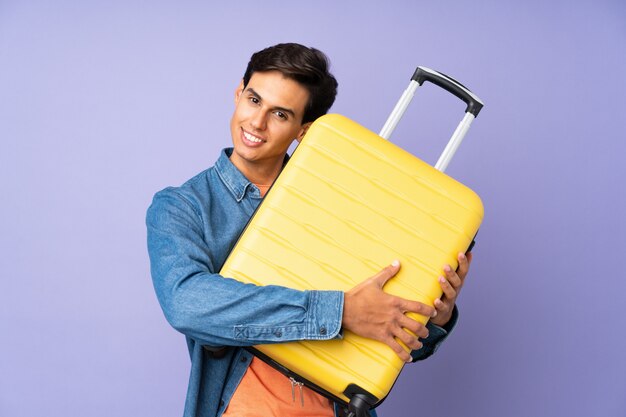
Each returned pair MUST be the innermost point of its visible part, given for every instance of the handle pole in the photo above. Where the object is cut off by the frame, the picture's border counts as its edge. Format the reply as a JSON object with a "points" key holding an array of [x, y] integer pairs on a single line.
{"points": [[454, 142], [398, 110]]}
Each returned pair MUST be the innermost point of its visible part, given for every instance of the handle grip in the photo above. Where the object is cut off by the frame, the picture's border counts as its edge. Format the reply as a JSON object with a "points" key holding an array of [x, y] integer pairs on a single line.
{"points": [[474, 104]]}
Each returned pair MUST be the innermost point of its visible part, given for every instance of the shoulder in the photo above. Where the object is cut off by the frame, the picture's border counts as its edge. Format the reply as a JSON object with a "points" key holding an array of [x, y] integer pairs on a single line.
{"points": [[187, 199], [205, 192]]}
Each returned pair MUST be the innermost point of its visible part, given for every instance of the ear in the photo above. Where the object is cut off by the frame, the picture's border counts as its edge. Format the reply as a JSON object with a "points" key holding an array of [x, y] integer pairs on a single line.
{"points": [[303, 131], [238, 91]]}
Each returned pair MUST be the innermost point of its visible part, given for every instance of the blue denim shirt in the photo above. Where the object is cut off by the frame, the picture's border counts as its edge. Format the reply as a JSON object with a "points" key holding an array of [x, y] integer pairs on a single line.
{"points": [[191, 230]]}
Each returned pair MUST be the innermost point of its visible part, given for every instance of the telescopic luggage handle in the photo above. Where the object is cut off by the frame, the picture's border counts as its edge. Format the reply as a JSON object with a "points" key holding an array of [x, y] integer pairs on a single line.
{"points": [[474, 105]]}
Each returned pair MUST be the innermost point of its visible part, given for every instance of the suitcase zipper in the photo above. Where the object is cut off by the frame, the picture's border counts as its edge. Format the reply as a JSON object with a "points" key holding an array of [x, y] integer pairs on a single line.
{"points": [[295, 384]]}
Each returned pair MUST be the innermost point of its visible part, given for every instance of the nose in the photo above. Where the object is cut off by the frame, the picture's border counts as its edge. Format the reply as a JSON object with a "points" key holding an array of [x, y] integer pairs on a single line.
{"points": [[259, 120]]}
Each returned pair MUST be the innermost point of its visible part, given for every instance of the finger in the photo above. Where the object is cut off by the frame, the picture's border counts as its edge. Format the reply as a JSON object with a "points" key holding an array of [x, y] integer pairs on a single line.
{"points": [[416, 307], [408, 339], [448, 289], [417, 328], [464, 261], [398, 349], [452, 277], [386, 273], [444, 307]]}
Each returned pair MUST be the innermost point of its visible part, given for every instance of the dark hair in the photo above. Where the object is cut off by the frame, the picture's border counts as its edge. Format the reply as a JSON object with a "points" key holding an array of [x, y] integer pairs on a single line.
{"points": [[307, 66]]}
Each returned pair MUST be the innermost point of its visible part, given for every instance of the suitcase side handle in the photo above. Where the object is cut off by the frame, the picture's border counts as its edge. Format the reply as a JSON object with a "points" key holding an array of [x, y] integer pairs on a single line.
{"points": [[474, 104]]}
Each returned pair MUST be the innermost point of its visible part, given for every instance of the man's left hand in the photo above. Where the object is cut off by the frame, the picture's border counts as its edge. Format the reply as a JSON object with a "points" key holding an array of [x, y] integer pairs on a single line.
{"points": [[451, 285]]}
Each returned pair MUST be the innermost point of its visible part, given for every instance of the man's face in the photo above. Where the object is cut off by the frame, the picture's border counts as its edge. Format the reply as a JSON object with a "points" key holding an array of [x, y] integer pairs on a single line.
{"points": [[267, 118]]}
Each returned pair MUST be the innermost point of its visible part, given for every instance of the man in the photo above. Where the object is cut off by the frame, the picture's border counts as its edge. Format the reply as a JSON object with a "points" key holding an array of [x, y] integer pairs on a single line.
{"points": [[192, 228]]}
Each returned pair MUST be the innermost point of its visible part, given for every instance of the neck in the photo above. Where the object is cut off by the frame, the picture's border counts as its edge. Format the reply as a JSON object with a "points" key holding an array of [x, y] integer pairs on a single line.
{"points": [[258, 173]]}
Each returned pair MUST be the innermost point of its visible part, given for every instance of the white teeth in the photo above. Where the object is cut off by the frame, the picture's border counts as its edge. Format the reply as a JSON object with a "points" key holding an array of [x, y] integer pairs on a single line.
{"points": [[251, 138]]}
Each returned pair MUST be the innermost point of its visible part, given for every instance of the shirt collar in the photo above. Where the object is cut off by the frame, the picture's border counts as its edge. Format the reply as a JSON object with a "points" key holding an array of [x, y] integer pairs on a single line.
{"points": [[234, 180]]}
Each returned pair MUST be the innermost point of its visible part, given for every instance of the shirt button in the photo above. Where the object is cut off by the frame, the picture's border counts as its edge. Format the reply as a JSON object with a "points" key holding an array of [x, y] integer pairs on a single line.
{"points": [[221, 403], [243, 359], [278, 333], [323, 330]]}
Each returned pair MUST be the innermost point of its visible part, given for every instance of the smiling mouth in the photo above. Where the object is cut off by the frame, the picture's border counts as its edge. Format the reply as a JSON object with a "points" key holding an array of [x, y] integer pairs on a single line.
{"points": [[251, 137]]}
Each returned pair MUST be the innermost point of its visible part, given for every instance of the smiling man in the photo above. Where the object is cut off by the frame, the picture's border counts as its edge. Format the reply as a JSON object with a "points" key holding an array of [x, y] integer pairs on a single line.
{"points": [[269, 114], [192, 229]]}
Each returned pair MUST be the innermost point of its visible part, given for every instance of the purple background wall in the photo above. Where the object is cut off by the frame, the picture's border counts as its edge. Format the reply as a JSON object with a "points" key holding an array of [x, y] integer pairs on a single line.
{"points": [[102, 104]]}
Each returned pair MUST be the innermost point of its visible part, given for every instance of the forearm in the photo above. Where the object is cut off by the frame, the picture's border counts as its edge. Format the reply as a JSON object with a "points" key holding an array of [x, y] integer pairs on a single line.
{"points": [[214, 310], [220, 311]]}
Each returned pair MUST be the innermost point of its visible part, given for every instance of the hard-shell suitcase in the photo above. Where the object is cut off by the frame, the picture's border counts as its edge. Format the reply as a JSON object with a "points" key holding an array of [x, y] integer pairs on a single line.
{"points": [[347, 202]]}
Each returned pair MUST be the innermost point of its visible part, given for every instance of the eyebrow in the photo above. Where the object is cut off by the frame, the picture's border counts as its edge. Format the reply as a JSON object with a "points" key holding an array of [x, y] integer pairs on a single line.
{"points": [[283, 109]]}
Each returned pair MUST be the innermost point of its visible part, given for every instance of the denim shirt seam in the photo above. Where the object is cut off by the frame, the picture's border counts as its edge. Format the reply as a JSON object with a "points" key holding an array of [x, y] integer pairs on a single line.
{"points": [[190, 205]]}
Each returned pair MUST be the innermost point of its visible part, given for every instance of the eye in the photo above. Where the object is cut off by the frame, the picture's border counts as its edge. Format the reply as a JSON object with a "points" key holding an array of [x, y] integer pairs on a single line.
{"points": [[254, 100], [281, 115]]}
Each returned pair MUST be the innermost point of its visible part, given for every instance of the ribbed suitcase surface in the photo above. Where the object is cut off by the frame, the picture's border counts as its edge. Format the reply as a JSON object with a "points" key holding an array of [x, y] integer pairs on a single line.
{"points": [[347, 203]]}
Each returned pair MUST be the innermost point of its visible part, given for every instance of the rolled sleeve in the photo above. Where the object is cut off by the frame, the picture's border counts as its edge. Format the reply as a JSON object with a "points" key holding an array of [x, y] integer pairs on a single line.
{"points": [[319, 318], [436, 336], [325, 312]]}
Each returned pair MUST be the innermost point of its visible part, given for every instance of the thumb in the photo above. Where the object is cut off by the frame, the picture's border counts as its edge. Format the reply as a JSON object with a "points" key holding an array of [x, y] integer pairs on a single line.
{"points": [[386, 274]]}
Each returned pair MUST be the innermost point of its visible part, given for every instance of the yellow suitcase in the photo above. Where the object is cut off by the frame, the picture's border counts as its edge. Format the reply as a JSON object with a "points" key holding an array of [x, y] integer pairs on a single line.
{"points": [[347, 202]]}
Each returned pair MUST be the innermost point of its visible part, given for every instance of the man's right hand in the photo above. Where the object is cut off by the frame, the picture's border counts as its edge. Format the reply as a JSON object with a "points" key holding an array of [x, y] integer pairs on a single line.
{"points": [[370, 312]]}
